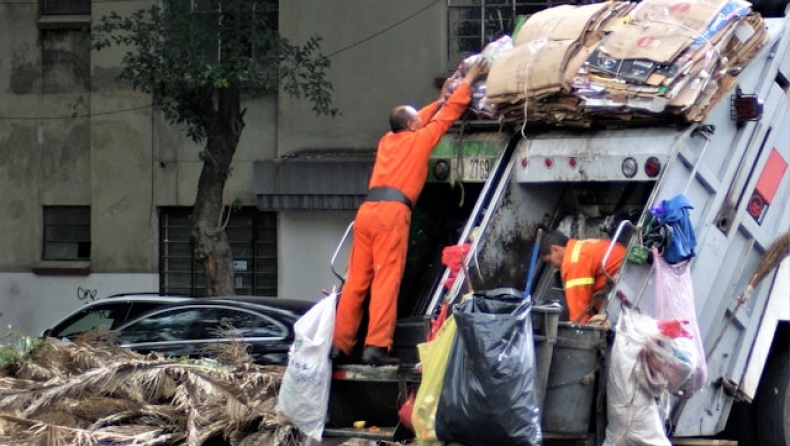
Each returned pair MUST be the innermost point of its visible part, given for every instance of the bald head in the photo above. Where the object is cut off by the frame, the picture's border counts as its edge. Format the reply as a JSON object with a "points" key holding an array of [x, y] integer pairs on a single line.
{"points": [[404, 117]]}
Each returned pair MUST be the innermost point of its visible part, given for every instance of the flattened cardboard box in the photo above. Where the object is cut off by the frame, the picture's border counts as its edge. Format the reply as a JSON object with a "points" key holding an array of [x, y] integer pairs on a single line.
{"points": [[564, 22], [530, 71], [662, 29]]}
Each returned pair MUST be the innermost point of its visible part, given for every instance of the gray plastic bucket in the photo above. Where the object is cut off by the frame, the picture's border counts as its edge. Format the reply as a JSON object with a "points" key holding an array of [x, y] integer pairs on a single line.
{"points": [[570, 390], [544, 328]]}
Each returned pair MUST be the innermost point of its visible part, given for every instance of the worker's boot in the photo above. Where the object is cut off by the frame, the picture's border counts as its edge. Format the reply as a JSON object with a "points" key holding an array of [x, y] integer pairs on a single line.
{"points": [[339, 357], [378, 356]]}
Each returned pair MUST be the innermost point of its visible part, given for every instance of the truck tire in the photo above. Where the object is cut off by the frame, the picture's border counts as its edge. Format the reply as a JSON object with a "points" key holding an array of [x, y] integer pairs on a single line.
{"points": [[773, 402]]}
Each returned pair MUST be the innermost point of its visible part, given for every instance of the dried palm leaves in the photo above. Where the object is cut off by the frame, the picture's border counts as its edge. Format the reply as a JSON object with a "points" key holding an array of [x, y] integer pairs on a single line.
{"points": [[84, 394]]}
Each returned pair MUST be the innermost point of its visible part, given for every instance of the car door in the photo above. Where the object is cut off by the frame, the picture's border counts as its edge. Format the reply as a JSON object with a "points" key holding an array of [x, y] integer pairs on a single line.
{"points": [[187, 331]]}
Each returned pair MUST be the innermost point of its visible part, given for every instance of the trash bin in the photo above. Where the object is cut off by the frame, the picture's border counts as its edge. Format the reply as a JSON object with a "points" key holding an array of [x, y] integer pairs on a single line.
{"points": [[544, 332], [570, 389]]}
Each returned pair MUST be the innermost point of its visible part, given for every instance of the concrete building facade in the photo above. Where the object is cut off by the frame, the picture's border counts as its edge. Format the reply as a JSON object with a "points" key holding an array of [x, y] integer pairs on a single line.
{"points": [[94, 183]]}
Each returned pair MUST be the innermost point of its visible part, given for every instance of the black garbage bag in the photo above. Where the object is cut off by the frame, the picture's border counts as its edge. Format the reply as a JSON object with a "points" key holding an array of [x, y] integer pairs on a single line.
{"points": [[488, 395]]}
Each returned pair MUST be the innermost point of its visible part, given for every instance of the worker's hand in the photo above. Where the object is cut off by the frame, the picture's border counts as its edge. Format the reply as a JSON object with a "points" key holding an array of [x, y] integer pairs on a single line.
{"points": [[600, 320], [445, 90], [476, 70]]}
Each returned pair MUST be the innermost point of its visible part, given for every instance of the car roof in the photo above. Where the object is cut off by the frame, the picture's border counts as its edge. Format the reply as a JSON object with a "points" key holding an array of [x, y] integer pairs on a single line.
{"points": [[290, 308], [146, 295], [295, 305]]}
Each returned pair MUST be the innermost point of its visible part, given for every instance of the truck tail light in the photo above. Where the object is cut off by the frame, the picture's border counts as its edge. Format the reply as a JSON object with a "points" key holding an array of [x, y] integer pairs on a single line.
{"points": [[652, 167], [441, 170], [629, 167]]}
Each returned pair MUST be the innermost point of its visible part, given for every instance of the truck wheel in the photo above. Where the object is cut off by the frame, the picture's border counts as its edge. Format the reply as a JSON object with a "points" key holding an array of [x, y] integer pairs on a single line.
{"points": [[773, 402]]}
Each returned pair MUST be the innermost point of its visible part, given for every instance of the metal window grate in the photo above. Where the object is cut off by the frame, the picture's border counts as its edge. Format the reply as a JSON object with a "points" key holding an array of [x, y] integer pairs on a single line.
{"points": [[253, 239], [64, 7], [472, 24], [67, 233]]}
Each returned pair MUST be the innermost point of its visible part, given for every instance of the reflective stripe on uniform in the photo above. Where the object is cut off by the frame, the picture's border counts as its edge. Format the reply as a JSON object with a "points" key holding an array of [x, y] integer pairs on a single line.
{"points": [[576, 250], [579, 282]]}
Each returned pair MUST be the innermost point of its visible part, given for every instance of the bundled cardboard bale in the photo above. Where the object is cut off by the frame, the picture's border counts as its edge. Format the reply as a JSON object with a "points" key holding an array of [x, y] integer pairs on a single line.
{"points": [[623, 60], [548, 50]]}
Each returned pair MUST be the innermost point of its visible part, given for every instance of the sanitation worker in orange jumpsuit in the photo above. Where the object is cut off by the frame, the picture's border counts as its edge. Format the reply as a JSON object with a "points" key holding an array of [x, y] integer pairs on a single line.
{"points": [[582, 274], [381, 227]]}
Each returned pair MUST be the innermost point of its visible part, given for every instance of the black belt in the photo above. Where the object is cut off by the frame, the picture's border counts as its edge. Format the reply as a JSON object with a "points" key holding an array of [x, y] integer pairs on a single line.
{"points": [[387, 194]]}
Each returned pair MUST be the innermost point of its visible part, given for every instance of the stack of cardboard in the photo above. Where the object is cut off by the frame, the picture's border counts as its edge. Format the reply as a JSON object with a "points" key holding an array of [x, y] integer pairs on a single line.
{"points": [[571, 64]]}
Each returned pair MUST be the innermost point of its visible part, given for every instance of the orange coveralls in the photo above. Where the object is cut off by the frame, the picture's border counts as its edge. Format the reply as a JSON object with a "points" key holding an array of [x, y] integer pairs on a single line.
{"points": [[381, 228], [582, 275]]}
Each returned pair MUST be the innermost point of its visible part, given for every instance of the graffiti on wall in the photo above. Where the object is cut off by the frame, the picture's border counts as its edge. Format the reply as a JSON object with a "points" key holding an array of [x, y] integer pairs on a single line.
{"points": [[86, 294]]}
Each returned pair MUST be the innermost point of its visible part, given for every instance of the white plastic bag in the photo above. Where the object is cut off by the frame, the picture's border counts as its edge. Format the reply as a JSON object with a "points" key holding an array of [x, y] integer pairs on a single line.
{"points": [[304, 392], [634, 418]]}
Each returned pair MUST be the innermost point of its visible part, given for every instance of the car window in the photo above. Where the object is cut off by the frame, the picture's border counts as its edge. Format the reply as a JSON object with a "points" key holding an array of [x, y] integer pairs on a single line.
{"points": [[192, 323], [104, 317]]}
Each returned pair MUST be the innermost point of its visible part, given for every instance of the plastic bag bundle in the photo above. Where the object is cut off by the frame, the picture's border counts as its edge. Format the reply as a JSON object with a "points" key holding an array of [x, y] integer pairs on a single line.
{"points": [[634, 418], [675, 300], [433, 356], [479, 104], [665, 364], [309, 370], [488, 395]]}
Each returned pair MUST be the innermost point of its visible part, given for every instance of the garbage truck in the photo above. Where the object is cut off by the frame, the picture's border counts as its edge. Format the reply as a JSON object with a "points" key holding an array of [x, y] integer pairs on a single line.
{"points": [[495, 187]]}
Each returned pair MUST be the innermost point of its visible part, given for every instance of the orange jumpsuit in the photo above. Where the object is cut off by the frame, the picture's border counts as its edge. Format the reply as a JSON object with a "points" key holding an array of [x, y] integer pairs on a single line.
{"points": [[582, 275], [381, 228]]}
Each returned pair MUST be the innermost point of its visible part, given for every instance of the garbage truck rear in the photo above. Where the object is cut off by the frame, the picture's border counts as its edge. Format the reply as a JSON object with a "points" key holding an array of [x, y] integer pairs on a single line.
{"points": [[495, 187]]}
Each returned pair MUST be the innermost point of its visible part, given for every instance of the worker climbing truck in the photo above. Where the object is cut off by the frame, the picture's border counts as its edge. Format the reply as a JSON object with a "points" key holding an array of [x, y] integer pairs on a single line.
{"points": [[495, 188]]}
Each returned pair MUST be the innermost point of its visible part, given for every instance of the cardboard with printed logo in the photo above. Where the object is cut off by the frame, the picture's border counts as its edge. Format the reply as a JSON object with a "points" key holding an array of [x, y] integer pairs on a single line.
{"points": [[563, 22]]}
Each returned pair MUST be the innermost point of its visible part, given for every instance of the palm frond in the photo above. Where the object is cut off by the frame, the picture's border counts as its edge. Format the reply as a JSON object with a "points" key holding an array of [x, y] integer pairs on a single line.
{"points": [[777, 252]]}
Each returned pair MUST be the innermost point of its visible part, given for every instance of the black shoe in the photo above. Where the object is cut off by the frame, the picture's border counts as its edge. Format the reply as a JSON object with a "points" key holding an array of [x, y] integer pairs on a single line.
{"points": [[378, 356], [339, 357]]}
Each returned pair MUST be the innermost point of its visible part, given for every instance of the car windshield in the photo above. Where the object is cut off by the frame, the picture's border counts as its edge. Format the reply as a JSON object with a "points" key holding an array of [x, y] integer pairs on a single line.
{"points": [[107, 315], [102, 317], [195, 323]]}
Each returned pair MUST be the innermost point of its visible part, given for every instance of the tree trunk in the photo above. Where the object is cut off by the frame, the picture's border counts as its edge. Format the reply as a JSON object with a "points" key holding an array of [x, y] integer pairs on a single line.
{"points": [[211, 247]]}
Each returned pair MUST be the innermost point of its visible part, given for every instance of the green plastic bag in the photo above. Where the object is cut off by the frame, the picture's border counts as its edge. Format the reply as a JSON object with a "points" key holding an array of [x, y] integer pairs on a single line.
{"points": [[433, 355]]}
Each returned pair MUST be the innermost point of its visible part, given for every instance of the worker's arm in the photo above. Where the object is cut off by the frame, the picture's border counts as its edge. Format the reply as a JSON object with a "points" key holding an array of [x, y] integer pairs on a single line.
{"points": [[455, 106], [426, 113]]}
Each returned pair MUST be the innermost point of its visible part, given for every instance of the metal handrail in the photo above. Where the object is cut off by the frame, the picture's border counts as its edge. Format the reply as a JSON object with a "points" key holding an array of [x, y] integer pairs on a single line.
{"points": [[342, 277], [616, 237]]}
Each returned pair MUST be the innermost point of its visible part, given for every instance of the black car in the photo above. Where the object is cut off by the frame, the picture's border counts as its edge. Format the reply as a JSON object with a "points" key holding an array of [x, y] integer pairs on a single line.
{"points": [[110, 313], [187, 329]]}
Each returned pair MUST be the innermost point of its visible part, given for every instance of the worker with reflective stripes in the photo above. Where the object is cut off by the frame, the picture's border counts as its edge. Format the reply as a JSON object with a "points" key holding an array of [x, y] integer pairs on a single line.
{"points": [[381, 228], [580, 264]]}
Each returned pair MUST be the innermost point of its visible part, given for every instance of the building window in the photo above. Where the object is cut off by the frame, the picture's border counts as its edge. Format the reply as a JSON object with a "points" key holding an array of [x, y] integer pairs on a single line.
{"points": [[67, 233], [65, 7], [210, 20], [253, 239], [475, 23], [65, 61]]}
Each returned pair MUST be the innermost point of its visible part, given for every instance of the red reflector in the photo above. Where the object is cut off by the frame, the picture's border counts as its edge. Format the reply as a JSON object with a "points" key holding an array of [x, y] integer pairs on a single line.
{"points": [[572, 161], [652, 167], [524, 162], [771, 176], [548, 162]]}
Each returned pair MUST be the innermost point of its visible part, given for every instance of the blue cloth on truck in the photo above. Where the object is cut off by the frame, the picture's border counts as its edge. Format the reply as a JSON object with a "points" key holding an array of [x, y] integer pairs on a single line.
{"points": [[675, 213]]}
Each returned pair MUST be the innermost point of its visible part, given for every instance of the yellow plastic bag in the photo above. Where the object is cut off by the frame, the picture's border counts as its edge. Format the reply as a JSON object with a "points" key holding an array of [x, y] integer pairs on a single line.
{"points": [[433, 356]]}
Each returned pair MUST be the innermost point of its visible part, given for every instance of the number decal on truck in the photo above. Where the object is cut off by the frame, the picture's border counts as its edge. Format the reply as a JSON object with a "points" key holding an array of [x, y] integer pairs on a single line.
{"points": [[474, 168]]}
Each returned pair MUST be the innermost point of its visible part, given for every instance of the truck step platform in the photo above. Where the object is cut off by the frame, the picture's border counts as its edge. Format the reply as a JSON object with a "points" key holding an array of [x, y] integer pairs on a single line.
{"points": [[359, 372], [334, 436]]}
